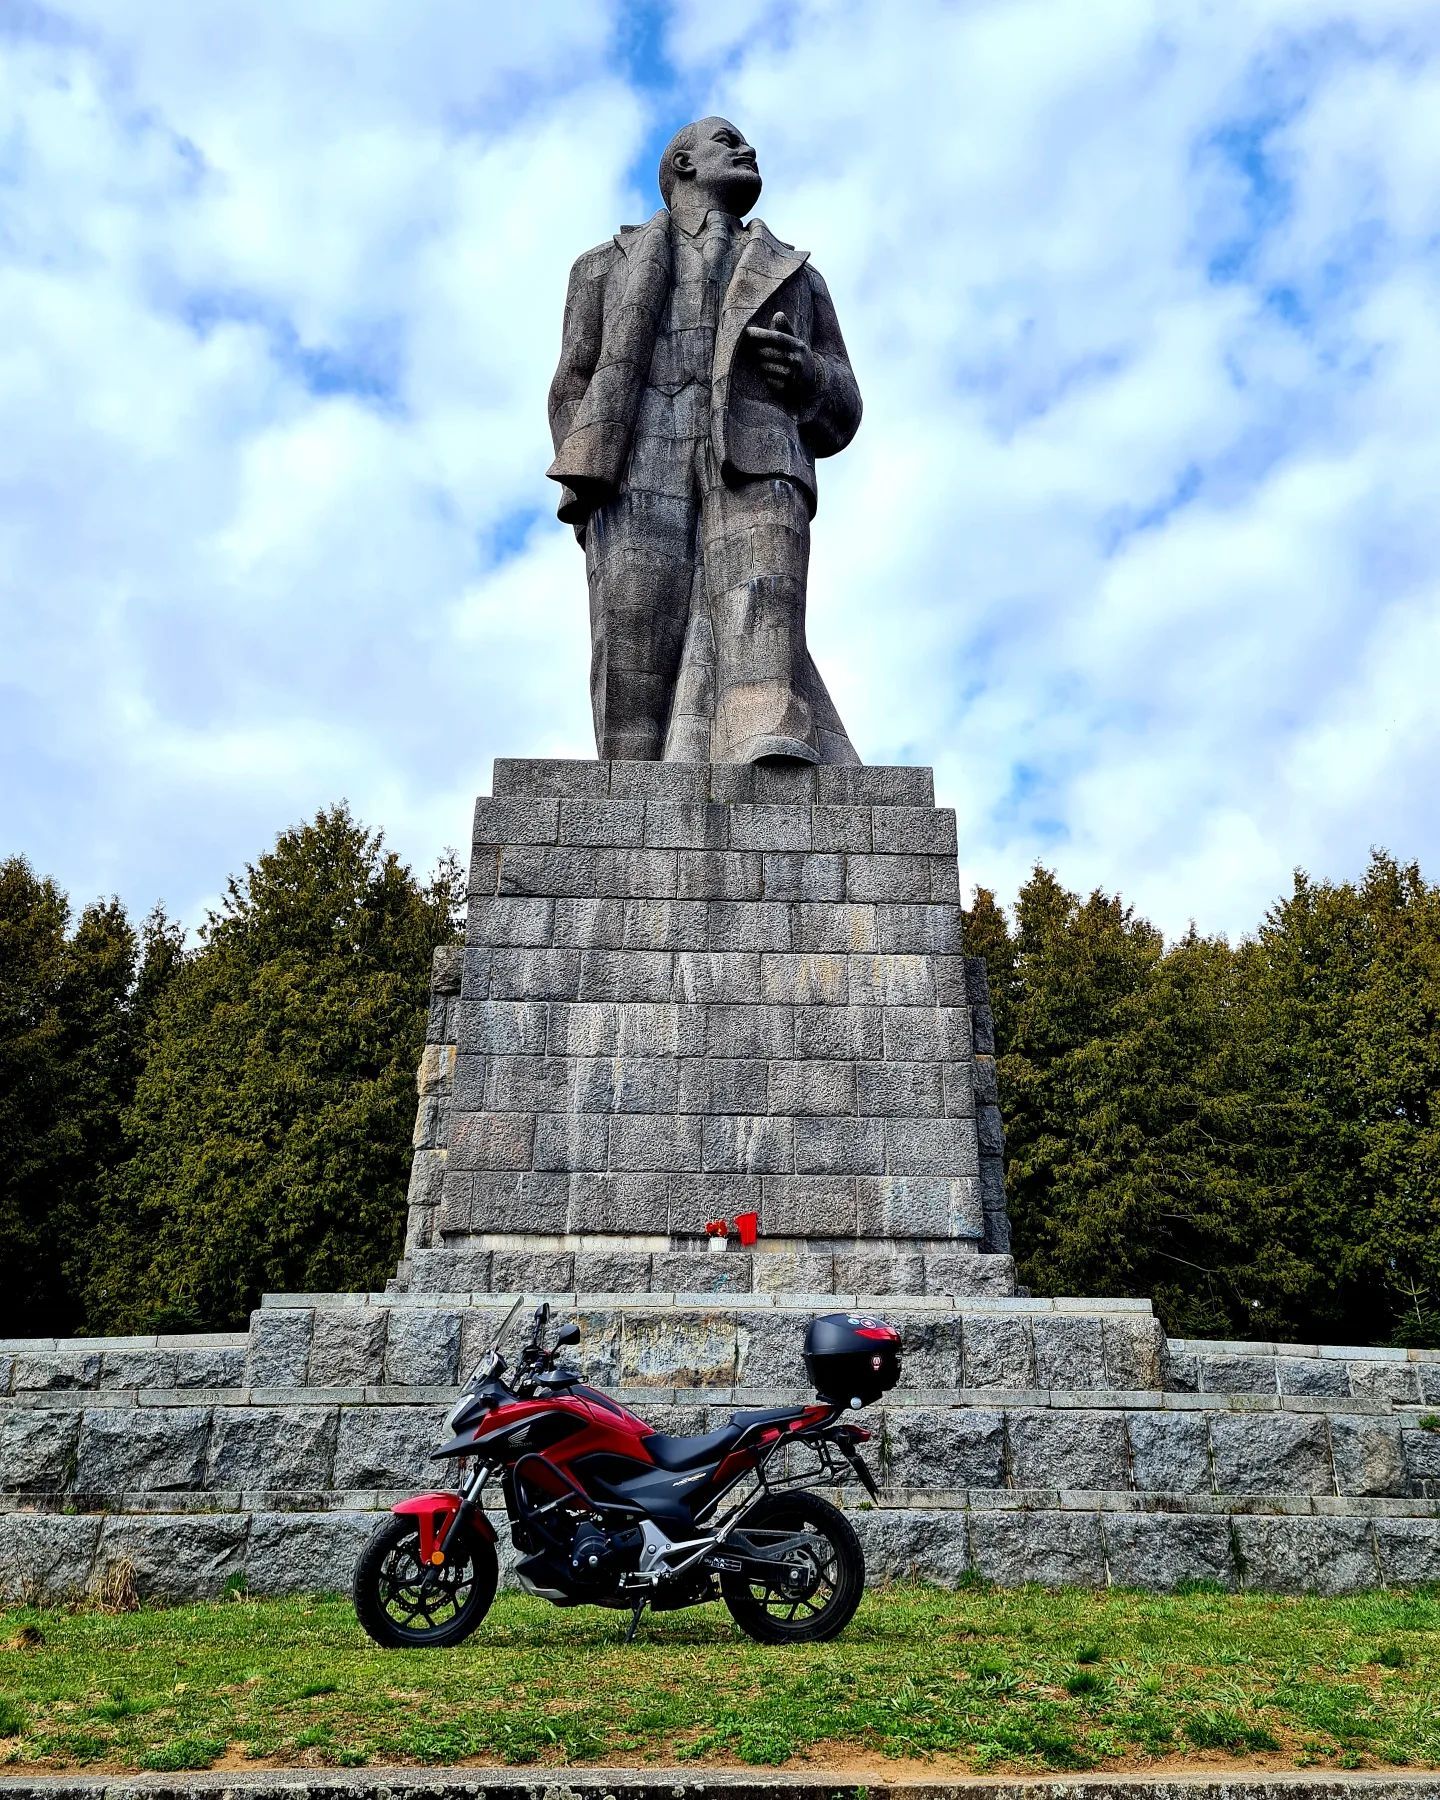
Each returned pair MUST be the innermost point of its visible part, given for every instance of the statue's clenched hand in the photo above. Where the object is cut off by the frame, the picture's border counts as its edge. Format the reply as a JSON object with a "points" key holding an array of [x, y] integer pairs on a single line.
{"points": [[787, 364]]}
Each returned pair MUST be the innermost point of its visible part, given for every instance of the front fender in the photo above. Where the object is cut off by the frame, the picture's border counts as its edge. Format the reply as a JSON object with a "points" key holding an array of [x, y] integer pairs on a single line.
{"points": [[434, 1512]]}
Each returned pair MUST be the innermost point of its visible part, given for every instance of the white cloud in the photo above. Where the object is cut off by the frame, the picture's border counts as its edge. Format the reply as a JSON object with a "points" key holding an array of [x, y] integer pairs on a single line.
{"points": [[1125, 546], [1137, 543]]}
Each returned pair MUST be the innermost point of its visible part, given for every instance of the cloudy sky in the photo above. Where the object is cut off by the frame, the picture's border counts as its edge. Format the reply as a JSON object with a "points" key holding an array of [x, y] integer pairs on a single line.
{"points": [[1139, 543]]}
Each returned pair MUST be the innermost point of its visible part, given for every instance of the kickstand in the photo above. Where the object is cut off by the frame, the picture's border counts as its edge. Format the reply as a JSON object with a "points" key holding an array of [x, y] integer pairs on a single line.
{"points": [[634, 1625]]}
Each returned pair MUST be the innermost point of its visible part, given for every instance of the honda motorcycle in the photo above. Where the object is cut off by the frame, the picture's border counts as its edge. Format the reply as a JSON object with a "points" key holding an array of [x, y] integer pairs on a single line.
{"points": [[605, 1511]]}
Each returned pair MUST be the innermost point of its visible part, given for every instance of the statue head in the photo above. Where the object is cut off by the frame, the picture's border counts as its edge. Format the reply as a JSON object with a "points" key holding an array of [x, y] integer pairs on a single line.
{"points": [[710, 164]]}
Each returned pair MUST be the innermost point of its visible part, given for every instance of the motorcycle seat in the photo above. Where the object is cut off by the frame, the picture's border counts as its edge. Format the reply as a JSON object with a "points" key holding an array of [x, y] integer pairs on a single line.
{"points": [[677, 1453]]}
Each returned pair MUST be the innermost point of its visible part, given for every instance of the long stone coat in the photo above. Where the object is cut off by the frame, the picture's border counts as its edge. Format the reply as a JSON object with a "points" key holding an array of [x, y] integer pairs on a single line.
{"points": [[617, 294]]}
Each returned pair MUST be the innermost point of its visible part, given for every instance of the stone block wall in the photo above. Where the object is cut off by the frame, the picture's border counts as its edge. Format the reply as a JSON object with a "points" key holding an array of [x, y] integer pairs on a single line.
{"points": [[1030, 1440], [689, 992]]}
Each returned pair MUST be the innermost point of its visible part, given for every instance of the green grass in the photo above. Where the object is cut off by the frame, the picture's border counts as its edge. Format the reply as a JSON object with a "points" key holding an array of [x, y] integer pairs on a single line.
{"points": [[978, 1679]]}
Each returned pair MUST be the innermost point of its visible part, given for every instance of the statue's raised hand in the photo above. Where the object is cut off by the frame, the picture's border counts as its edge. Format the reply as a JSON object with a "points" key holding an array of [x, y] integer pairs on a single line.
{"points": [[787, 364]]}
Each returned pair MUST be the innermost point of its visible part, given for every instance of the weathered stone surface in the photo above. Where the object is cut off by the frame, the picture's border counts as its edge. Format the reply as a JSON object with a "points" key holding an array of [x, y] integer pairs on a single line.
{"points": [[874, 786], [851, 1033], [1134, 1351], [783, 1272], [218, 1366], [824, 1087], [572, 1142], [900, 1089], [748, 1146], [1064, 1449], [968, 1274], [306, 1553], [347, 1346], [1069, 1353], [510, 922], [1312, 1375], [916, 1205], [930, 1348], [647, 1144], [46, 1371], [915, 1546], [1367, 1455], [1397, 1381], [524, 819], [961, 1448], [1270, 1453], [839, 1146], [279, 1351], [769, 1351], [539, 974], [254, 1447], [683, 1273], [927, 1033], [423, 1347], [37, 1449], [1160, 1550], [448, 1272], [193, 1563], [46, 1557], [998, 1353], [808, 1205], [1169, 1452], [125, 1449], [1236, 1375], [1306, 1555], [1409, 1551], [627, 1202], [694, 1350], [879, 1271], [1051, 1548], [1422, 1454], [534, 1271], [931, 1147], [718, 977], [493, 1141], [554, 777], [788, 875], [137, 1369], [386, 1447], [517, 1201]]}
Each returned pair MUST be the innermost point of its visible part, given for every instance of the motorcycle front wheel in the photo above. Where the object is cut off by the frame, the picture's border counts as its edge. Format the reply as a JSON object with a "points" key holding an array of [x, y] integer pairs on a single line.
{"points": [[819, 1571], [402, 1610]]}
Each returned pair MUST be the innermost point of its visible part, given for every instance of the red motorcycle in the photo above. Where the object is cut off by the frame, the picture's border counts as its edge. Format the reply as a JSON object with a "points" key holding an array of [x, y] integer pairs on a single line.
{"points": [[605, 1511]]}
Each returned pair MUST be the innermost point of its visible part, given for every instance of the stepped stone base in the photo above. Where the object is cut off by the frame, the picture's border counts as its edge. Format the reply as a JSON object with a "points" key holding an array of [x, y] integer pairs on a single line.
{"points": [[692, 992], [1061, 1441]]}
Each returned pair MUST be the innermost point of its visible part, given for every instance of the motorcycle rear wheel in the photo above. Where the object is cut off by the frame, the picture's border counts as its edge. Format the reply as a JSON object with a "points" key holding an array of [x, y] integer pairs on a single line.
{"points": [[824, 1601], [401, 1614]]}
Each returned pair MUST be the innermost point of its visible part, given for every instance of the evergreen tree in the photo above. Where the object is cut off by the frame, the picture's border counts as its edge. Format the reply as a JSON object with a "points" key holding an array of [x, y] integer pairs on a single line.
{"points": [[270, 1131], [37, 1132], [1342, 987], [67, 1065]]}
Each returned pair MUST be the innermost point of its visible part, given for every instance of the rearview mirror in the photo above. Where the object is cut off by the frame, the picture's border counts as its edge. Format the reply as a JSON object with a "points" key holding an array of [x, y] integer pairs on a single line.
{"points": [[568, 1334]]}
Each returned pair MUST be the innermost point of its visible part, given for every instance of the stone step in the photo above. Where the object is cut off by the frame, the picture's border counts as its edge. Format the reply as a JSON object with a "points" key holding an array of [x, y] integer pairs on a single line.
{"points": [[727, 1340], [184, 1557], [1410, 1377], [460, 1268], [726, 784], [104, 1455]]}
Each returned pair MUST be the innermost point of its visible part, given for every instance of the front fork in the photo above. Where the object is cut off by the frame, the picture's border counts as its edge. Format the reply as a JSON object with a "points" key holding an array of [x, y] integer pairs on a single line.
{"points": [[460, 1519], [443, 1518]]}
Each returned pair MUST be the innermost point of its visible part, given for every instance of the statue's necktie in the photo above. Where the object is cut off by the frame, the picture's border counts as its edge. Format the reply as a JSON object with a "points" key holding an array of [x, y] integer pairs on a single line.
{"points": [[715, 243]]}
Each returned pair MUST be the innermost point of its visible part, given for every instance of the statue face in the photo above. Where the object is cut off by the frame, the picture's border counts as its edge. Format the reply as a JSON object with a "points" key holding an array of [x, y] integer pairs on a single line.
{"points": [[721, 164]]}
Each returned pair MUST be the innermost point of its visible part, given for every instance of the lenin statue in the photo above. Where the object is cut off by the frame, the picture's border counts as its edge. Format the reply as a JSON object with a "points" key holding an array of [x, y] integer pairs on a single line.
{"points": [[701, 374]]}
